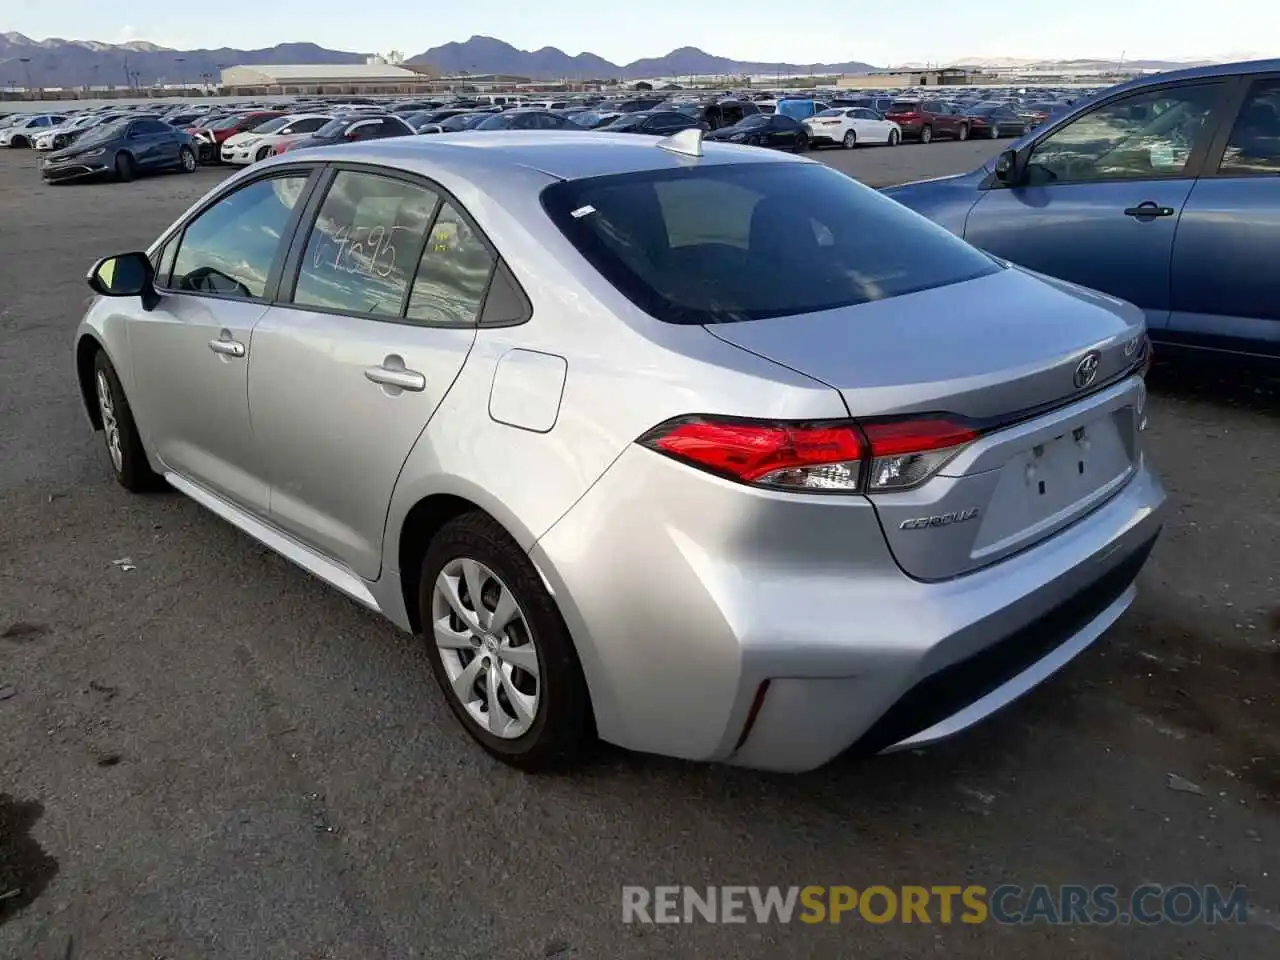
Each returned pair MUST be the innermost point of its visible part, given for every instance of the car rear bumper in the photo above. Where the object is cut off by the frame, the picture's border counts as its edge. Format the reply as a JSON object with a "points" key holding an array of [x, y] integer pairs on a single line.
{"points": [[719, 622]]}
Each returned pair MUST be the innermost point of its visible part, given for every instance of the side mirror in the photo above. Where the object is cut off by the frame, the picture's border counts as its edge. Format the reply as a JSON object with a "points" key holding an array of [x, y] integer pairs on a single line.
{"points": [[1007, 168], [125, 275]]}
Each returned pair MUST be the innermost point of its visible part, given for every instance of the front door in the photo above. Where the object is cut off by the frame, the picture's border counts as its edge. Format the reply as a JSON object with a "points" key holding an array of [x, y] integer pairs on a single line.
{"points": [[1102, 195], [191, 354], [347, 373]]}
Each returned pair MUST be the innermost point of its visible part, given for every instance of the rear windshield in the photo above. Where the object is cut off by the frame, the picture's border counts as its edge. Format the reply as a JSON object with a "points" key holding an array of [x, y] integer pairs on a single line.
{"points": [[723, 243], [902, 106]]}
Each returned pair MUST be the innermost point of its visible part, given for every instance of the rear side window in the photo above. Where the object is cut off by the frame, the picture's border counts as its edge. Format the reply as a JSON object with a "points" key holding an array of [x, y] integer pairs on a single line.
{"points": [[229, 249], [360, 253], [453, 275], [724, 243], [1254, 147]]}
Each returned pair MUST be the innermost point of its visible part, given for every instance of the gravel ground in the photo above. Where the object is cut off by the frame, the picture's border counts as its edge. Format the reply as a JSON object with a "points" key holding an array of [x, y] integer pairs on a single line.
{"points": [[215, 755]]}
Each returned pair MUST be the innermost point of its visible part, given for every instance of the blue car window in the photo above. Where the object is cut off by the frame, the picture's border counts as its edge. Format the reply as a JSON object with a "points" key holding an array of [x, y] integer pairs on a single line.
{"points": [[1254, 146], [1146, 135]]}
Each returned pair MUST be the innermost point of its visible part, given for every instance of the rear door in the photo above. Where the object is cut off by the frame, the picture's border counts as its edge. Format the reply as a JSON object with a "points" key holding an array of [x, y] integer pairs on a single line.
{"points": [[1103, 194], [1228, 243], [387, 280]]}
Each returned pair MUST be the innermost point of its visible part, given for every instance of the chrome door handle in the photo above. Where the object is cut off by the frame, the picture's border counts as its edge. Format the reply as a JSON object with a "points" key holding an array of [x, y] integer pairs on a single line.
{"points": [[404, 379], [228, 348]]}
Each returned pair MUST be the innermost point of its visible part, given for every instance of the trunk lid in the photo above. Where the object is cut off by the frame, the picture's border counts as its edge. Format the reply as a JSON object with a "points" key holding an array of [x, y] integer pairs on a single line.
{"points": [[1005, 351]]}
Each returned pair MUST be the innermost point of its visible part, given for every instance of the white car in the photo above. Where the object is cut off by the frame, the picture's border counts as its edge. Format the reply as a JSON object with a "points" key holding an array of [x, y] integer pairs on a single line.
{"points": [[45, 140], [23, 132], [851, 126], [256, 144]]}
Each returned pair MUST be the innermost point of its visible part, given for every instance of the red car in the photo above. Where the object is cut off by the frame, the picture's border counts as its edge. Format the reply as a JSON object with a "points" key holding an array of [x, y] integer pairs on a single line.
{"points": [[925, 120], [209, 138]]}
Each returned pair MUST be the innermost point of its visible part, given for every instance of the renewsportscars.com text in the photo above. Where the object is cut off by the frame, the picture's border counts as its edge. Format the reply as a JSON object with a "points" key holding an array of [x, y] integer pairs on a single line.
{"points": [[1067, 904]]}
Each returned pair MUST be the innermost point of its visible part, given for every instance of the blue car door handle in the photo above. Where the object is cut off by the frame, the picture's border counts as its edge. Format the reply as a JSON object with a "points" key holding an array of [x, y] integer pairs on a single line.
{"points": [[1149, 210]]}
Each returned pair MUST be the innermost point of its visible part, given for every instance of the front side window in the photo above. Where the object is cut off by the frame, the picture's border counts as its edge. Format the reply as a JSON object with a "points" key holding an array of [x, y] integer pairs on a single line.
{"points": [[360, 252], [1141, 136], [1254, 147], [453, 275], [724, 243], [230, 248]]}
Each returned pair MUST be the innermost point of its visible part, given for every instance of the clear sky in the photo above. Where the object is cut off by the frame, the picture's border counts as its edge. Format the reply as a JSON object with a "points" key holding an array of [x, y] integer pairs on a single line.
{"points": [[886, 33]]}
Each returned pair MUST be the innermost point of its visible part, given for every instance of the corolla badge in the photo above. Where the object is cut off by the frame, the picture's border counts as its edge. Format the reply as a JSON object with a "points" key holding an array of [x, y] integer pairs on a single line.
{"points": [[1086, 369], [939, 520]]}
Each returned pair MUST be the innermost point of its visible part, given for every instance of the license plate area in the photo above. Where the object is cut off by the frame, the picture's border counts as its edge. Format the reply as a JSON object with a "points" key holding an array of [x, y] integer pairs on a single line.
{"points": [[1055, 480]]}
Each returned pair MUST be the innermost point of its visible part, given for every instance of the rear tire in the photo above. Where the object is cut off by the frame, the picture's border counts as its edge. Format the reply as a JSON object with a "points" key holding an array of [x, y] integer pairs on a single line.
{"points": [[895, 138], [926, 134], [475, 549], [262, 155], [963, 133], [124, 167], [850, 140], [120, 432], [995, 131], [187, 160], [802, 143]]}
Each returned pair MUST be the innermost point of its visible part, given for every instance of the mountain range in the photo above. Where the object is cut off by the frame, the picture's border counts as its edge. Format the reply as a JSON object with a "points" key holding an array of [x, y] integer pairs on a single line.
{"points": [[75, 63]]}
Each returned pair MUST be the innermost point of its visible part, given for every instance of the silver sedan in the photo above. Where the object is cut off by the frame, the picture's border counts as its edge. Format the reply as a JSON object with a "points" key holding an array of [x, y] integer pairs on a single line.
{"points": [[699, 449]]}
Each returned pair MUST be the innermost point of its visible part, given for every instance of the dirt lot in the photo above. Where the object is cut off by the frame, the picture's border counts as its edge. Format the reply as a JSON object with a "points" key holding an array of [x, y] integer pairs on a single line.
{"points": [[214, 755]]}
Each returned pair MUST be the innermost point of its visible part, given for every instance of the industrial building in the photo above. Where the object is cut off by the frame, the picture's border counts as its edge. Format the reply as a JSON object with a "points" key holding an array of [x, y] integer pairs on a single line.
{"points": [[375, 76], [893, 79]]}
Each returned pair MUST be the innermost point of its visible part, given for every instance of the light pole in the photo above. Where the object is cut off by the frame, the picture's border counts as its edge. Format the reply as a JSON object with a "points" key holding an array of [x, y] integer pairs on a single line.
{"points": [[26, 65], [182, 74]]}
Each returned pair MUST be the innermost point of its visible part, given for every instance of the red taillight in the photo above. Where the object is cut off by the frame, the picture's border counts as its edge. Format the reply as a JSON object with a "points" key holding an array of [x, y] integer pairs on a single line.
{"points": [[845, 457], [816, 456], [892, 438], [905, 453]]}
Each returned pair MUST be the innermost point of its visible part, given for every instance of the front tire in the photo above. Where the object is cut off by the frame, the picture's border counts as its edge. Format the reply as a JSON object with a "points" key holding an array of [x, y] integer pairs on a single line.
{"points": [[850, 140], [500, 650], [926, 135], [187, 160], [124, 167], [802, 143], [895, 138], [963, 133], [995, 131], [262, 155], [120, 432]]}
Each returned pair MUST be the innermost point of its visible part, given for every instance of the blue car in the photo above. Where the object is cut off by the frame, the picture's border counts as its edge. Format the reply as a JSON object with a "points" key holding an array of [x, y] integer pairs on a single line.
{"points": [[1164, 191], [121, 149]]}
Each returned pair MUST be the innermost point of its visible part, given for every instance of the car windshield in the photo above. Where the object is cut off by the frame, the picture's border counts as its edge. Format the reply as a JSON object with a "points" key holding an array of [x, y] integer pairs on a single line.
{"points": [[103, 131], [333, 127], [463, 121], [730, 242], [224, 123], [499, 121], [271, 126]]}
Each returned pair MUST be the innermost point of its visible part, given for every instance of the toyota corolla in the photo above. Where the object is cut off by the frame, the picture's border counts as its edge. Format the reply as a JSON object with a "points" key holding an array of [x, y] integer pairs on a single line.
{"points": [[702, 450]]}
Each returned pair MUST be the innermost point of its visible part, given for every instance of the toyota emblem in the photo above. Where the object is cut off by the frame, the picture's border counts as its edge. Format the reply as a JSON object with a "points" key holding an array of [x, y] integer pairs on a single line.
{"points": [[1086, 369]]}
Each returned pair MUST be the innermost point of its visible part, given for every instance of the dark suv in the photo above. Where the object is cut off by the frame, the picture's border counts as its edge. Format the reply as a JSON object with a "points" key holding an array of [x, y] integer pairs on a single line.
{"points": [[925, 120]]}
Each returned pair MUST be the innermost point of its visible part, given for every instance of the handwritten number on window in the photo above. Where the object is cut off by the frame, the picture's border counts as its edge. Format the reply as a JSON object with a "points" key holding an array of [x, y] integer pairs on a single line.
{"points": [[366, 251]]}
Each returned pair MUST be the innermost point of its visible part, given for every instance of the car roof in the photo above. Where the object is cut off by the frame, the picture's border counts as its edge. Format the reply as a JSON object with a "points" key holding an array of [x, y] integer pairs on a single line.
{"points": [[565, 155]]}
